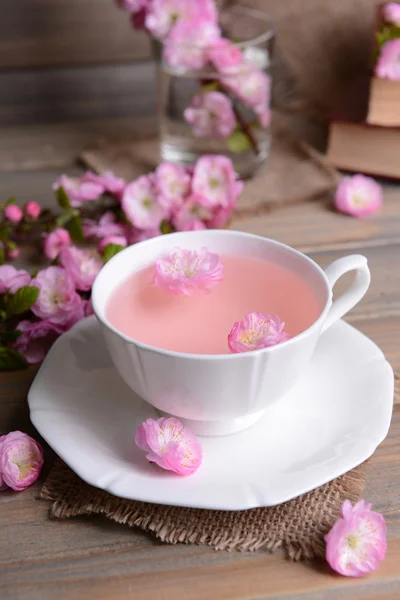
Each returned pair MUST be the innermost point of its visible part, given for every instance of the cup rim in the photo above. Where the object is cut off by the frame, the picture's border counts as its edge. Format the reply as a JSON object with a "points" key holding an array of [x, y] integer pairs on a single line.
{"points": [[228, 356]]}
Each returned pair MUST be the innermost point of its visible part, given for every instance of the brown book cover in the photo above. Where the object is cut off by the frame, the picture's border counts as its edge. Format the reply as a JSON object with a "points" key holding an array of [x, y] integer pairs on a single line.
{"points": [[364, 148]]}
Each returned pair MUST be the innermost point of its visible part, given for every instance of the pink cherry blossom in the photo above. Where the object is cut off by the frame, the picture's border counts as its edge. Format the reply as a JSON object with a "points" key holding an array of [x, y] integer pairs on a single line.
{"points": [[224, 53], [13, 253], [13, 213], [173, 182], [119, 240], [58, 302], [36, 339], [141, 204], [358, 196], [110, 182], [192, 215], [55, 241], [357, 542], [82, 265], [106, 226], [79, 189], [253, 87], [388, 65], [391, 13], [138, 19], [188, 42], [170, 445], [188, 271], [163, 14], [211, 115], [256, 331], [215, 181], [220, 217], [32, 209], [21, 460], [12, 279]]}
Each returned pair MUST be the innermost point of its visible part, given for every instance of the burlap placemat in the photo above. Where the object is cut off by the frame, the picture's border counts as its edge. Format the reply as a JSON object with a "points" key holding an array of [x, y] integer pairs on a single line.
{"points": [[297, 526], [294, 172]]}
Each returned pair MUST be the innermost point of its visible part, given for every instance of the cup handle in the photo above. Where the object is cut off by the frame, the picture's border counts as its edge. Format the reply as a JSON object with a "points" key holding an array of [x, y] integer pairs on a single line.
{"points": [[356, 291]]}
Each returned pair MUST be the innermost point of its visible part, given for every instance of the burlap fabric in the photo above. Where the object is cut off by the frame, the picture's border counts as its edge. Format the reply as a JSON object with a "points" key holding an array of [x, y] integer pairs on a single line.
{"points": [[295, 172], [298, 526]]}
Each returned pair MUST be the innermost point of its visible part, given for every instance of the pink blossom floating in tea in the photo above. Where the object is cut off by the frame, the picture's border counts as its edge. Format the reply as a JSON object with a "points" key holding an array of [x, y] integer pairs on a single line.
{"points": [[170, 445], [188, 271], [357, 542], [21, 460], [256, 331]]}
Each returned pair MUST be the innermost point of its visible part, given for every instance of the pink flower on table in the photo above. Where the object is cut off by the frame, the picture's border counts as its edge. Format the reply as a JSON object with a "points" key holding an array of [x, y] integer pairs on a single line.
{"points": [[55, 241], [188, 42], [253, 87], [391, 13], [12, 279], [21, 460], [32, 209], [358, 196], [388, 64], [110, 182], [357, 542], [188, 271], [215, 182], [82, 266], [211, 115], [106, 226], [192, 215], [256, 331], [141, 205], [58, 302], [36, 339], [79, 189], [119, 240], [224, 53], [170, 445], [173, 183], [13, 213]]}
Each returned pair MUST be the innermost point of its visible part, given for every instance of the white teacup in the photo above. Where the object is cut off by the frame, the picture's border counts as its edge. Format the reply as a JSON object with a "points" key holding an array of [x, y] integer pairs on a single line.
{"points": [[222, 394]]}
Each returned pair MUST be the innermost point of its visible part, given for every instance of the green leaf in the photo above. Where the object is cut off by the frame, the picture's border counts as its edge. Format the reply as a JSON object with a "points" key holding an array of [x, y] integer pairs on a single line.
{"points": [[63, 219], [63, 198], [212, 86], [111, 250], [10, 336], [22, 300], [75, 229], [4, 233], [166, 227], [2, 256], [238, 141], [11, 360], [11, 200]]}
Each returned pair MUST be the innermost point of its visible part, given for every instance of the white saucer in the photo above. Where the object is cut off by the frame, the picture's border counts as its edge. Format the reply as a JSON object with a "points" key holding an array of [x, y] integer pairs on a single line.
{"points": [[334, 419]]}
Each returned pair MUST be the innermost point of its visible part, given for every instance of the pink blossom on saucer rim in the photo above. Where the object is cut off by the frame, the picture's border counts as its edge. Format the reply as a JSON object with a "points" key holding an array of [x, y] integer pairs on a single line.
{"points": [[140, 203], [13, 213], [170, 445], [11, 279], [215, 182], [388, 64], [173, 183], [256, 331], [36, 339], [58, 302], [357, 542], [391, 13], [21, 460], [358, 196], [55, 241], [79, 189], [81, 265], [188, 271], [211, 115]]}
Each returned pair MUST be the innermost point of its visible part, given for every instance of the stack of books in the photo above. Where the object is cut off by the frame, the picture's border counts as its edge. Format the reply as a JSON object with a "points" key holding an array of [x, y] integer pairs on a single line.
{"points": [[365, 130]]}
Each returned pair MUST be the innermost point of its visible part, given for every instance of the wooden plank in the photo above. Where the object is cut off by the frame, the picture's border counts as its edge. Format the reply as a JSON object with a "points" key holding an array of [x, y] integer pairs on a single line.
{"points": [[38, 33], [56, 95], [57, 145]]}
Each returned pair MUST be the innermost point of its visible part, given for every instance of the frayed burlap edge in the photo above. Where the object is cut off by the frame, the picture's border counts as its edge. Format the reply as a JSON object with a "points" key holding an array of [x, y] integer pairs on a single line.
{"points": [[298, 526]]}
